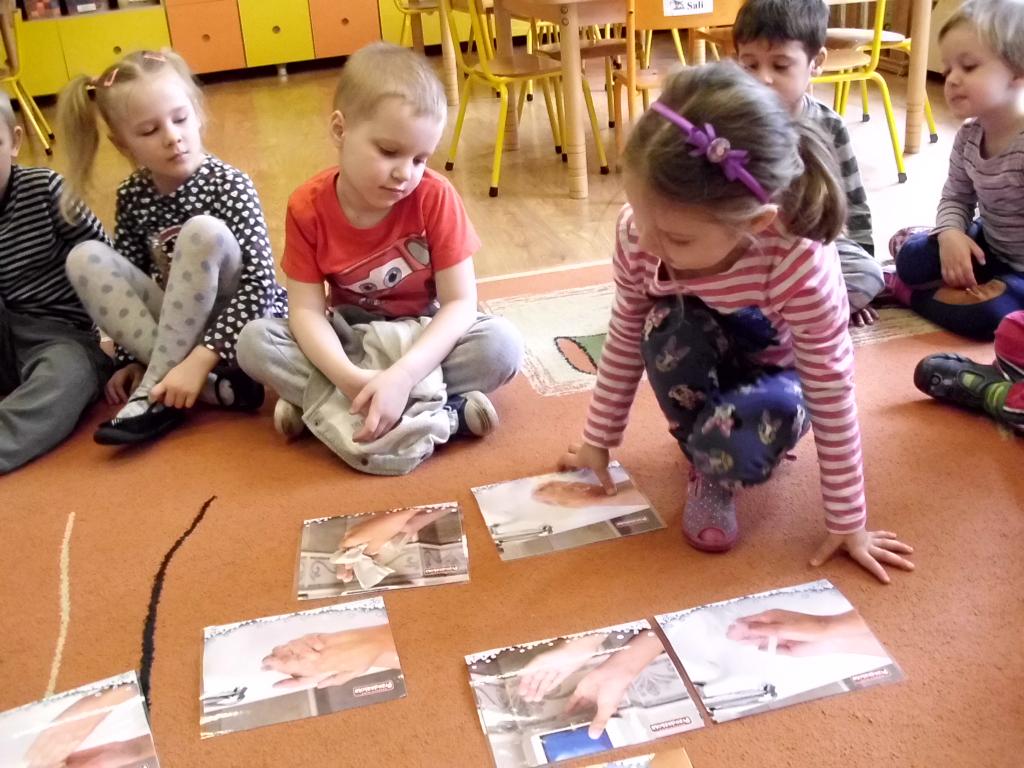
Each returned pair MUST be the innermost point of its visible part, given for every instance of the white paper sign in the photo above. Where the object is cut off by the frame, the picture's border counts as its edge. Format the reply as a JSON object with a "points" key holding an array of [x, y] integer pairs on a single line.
{"points": [[688, 7]]}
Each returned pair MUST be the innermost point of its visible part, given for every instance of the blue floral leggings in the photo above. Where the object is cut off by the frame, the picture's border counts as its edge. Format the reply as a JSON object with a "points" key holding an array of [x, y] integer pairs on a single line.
{"points": [[734, 418]]}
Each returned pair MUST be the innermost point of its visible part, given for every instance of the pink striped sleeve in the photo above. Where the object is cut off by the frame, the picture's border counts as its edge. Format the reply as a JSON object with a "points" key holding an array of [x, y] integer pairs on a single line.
{"points": [[807, 289], [621, 364]]}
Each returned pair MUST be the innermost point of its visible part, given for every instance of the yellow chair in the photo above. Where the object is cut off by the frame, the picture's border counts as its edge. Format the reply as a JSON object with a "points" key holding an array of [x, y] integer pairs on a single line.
{"points": [[412, 20], [860, 39], [543, 38], [497, 73], [10, 76], [844, 66], [650, 15]]}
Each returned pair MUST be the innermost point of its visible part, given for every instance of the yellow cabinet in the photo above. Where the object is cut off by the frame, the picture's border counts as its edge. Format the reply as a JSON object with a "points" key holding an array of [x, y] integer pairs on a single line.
{"points": [[42, 66], [94, 42], [275, 31]]}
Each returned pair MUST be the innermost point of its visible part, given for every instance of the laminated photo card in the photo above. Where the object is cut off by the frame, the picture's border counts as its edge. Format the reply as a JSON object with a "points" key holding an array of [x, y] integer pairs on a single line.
{"points": [[579, 695], [669, 758], [103, 723], [411, 547], [562, 510], [298, 665], [769, 650]]}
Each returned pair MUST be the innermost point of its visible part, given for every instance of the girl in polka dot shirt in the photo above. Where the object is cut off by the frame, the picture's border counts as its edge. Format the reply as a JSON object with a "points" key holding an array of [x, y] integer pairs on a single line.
{"points": [[191, 262]]}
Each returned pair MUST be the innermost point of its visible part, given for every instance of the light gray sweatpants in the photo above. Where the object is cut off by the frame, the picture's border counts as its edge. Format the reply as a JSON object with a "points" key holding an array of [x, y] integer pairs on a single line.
{"points": [[488, 356], [861, 272]]}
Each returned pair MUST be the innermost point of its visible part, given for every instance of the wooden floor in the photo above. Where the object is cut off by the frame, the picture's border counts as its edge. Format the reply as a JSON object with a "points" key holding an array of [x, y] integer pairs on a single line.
{"points": [[276, 130]]}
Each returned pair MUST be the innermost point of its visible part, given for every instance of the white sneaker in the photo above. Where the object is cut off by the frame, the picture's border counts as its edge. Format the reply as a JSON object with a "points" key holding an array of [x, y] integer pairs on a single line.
{"points": [[288, 419], [473, 415]]}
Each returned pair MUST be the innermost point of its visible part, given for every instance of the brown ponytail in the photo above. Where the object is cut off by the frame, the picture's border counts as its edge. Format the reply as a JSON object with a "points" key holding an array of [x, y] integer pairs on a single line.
{"points": [[814, 205]]}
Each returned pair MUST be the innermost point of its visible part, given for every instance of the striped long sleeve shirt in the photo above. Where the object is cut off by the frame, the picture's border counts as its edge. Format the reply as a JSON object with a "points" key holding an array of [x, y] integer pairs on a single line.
{"points": [[35, 240], [994, 186], [798, 286], [858, 214]]}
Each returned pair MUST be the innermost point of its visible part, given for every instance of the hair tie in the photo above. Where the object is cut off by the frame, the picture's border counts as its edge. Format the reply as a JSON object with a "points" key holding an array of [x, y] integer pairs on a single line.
{"points": [[109, 81], [716, 150], [154, 56]]}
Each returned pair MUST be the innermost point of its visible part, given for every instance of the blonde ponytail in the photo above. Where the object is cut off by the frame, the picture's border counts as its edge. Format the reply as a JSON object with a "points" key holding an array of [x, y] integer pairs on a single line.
{"points": [[86, 100], [77, 120], [814, 204]]}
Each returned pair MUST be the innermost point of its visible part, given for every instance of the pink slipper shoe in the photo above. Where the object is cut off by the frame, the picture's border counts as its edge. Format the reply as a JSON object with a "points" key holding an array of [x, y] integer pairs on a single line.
{"points": [[709, 519]]}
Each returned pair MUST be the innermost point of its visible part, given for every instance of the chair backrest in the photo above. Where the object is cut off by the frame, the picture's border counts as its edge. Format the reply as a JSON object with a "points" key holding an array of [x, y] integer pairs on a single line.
{"points": [[686, 14], [877, 27], [479, 32]]}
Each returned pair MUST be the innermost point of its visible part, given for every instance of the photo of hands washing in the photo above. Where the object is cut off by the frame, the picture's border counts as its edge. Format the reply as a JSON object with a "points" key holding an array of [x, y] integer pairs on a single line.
{"points": [[410, 547], [299, 665], [773, 649], [562, 510], [100, 725], [579, 695]]}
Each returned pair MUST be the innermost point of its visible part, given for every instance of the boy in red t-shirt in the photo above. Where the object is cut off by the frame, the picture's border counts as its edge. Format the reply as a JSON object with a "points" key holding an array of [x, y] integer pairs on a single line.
{"points": [[392, 240]]}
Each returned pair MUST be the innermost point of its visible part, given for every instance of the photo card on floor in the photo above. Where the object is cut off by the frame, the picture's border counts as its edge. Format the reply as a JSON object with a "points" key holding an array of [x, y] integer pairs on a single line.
{"points": [[102, 723], [410, 547], [280, 668], [562, 510], [666, 758], [770, 650], [579, 695]]}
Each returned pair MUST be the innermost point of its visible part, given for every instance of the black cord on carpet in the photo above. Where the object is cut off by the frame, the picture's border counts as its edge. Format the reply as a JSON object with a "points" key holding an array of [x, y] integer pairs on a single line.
{"points": [[148, 632]]}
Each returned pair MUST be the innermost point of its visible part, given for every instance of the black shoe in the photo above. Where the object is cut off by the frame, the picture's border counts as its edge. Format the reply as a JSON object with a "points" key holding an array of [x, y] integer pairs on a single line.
{"points": [[955, 379], [131, 430], [246, 394], [474, 412]]}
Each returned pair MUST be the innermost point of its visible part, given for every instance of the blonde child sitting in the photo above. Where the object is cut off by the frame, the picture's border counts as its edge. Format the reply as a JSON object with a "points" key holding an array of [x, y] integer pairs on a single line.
{"points": [[394, 245], [191, 262]]}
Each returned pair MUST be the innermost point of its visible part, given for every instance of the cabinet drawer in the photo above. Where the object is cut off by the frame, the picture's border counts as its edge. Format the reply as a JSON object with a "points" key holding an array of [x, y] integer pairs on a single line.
{"points": [[42, 70], [93, 43], [208, 35], [341, 27], [275, 32]]}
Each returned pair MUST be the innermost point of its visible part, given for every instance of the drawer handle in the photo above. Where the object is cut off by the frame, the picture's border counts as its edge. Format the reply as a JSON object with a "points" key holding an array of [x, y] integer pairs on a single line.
{"points": [[344, 22], [206, 38], [276, 29], [117, 49]]}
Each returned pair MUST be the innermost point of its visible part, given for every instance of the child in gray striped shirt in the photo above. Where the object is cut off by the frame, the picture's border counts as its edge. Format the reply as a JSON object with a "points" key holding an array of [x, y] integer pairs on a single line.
{"points": [[967, 273], [51, 365], [782, 44]]}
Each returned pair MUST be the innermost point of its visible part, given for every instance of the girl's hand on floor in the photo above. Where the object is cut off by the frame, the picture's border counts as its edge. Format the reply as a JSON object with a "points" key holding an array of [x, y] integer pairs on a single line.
{"points": [[869, 548], [122, 383], [585, 456], [956, 250]]}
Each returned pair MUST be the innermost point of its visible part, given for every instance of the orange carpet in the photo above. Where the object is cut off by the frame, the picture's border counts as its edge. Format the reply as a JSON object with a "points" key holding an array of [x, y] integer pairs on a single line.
{"points": [[947, 481]]}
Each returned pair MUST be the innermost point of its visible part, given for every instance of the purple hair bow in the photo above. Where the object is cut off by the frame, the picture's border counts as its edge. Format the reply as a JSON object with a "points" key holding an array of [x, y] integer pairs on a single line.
{"points": [[716, 149]]}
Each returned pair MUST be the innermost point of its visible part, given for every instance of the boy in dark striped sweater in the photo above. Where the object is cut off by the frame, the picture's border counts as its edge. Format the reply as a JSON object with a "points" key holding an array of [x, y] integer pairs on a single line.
{"points": [[782, 44], [51, 366]]}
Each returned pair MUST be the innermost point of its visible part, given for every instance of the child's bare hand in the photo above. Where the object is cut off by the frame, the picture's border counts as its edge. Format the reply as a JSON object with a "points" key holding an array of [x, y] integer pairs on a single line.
{"points": [[869, 548], [862, 317], [956, 251], [585, 456], [382, 401], [122, 383]]}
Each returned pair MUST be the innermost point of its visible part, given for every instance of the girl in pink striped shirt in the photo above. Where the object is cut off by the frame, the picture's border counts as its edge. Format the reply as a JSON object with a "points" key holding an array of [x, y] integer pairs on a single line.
{"points": [[729, 300]]}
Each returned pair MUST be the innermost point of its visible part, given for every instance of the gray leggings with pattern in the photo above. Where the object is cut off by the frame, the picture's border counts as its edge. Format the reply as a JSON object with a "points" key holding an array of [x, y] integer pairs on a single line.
{"points": [[159, 328]]}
